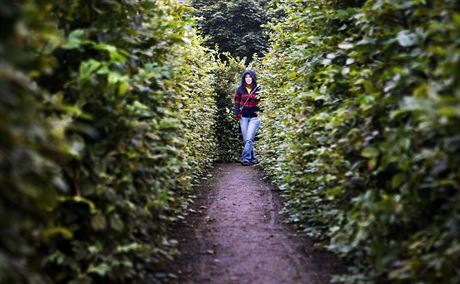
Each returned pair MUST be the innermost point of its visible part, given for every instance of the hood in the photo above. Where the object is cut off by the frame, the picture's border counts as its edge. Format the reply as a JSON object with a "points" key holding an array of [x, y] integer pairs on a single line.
{"points": [[253, 76]]}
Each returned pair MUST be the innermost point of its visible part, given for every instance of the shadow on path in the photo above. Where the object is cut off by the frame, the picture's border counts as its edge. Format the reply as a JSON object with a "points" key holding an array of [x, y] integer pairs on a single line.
{"points": [[236, 235]]}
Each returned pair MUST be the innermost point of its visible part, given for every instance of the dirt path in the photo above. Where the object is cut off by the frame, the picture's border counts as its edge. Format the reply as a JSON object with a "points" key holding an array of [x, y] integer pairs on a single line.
{"points": [[236, 235]]}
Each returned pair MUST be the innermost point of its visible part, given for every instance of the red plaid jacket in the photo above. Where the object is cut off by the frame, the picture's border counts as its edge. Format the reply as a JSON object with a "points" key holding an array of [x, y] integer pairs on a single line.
{"points": [[250, 102]]}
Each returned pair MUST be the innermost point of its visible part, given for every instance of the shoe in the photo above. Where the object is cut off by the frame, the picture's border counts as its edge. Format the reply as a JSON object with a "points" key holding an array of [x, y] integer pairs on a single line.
{"points": [[246, 163], [254, 161]]}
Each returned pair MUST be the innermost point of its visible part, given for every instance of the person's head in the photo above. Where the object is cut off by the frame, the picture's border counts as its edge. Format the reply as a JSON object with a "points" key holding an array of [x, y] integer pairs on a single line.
{"points": [[249, 78]]}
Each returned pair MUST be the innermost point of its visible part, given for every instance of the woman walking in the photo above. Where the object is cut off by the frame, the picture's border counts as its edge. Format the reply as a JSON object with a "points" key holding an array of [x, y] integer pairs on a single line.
{"points": [[246, 109]]}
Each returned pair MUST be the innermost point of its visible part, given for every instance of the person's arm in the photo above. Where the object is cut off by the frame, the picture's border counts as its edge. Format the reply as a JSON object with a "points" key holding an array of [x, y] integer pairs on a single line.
{"points": [[237, 103]]}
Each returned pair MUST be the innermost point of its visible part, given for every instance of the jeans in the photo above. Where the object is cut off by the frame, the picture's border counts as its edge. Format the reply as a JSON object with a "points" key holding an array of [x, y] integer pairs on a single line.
{"points": [[249, 127]]}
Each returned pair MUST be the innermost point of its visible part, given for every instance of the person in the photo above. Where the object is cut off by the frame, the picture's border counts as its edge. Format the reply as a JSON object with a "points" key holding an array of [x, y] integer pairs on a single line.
{"points": [[245, 109]]}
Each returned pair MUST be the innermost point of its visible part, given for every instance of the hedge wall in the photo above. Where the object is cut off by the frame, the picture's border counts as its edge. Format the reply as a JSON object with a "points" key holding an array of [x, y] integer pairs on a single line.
{"points": [[363, 101], [227, 77], [102, 135], [30, 148]]}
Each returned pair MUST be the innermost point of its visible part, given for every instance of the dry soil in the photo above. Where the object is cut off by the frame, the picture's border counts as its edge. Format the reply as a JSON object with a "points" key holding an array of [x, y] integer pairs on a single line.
{"points": [[235, 234]]}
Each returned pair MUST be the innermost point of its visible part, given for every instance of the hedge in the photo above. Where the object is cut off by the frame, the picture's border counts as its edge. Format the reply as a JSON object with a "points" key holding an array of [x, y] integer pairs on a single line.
{"points": [[363, 102], [227, 79], [102, 136]]}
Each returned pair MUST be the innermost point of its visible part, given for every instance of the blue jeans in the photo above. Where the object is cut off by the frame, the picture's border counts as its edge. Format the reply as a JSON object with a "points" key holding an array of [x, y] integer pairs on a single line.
{"points": [[249, 127]]}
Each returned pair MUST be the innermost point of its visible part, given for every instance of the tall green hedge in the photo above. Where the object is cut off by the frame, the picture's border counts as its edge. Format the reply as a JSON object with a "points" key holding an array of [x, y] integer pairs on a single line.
{"points": [[30, 146], [102, 136], [363, 99], [227, 77], [234, 26]]}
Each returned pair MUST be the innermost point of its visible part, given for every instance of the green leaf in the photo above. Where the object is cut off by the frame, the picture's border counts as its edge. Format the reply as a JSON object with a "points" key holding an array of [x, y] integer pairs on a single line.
{"points": [[397, 180], [370, 152], [101, 269], [98, 222], [406, 38], [74, 40]]}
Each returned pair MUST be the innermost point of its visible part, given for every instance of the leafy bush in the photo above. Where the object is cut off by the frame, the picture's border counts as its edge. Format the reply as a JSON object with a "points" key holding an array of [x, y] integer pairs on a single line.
{"points": [[363, 100], [102, 136], [226, 80], [234, 26], [31, 147]]}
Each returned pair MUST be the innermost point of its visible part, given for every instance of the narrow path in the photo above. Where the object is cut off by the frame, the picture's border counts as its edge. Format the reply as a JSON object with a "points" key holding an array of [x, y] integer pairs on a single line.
{"points": [[236, 235]]}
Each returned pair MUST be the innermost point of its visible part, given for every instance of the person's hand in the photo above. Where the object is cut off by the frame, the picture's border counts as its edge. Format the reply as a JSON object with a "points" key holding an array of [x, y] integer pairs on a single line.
{"points": [[238, 115]]}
